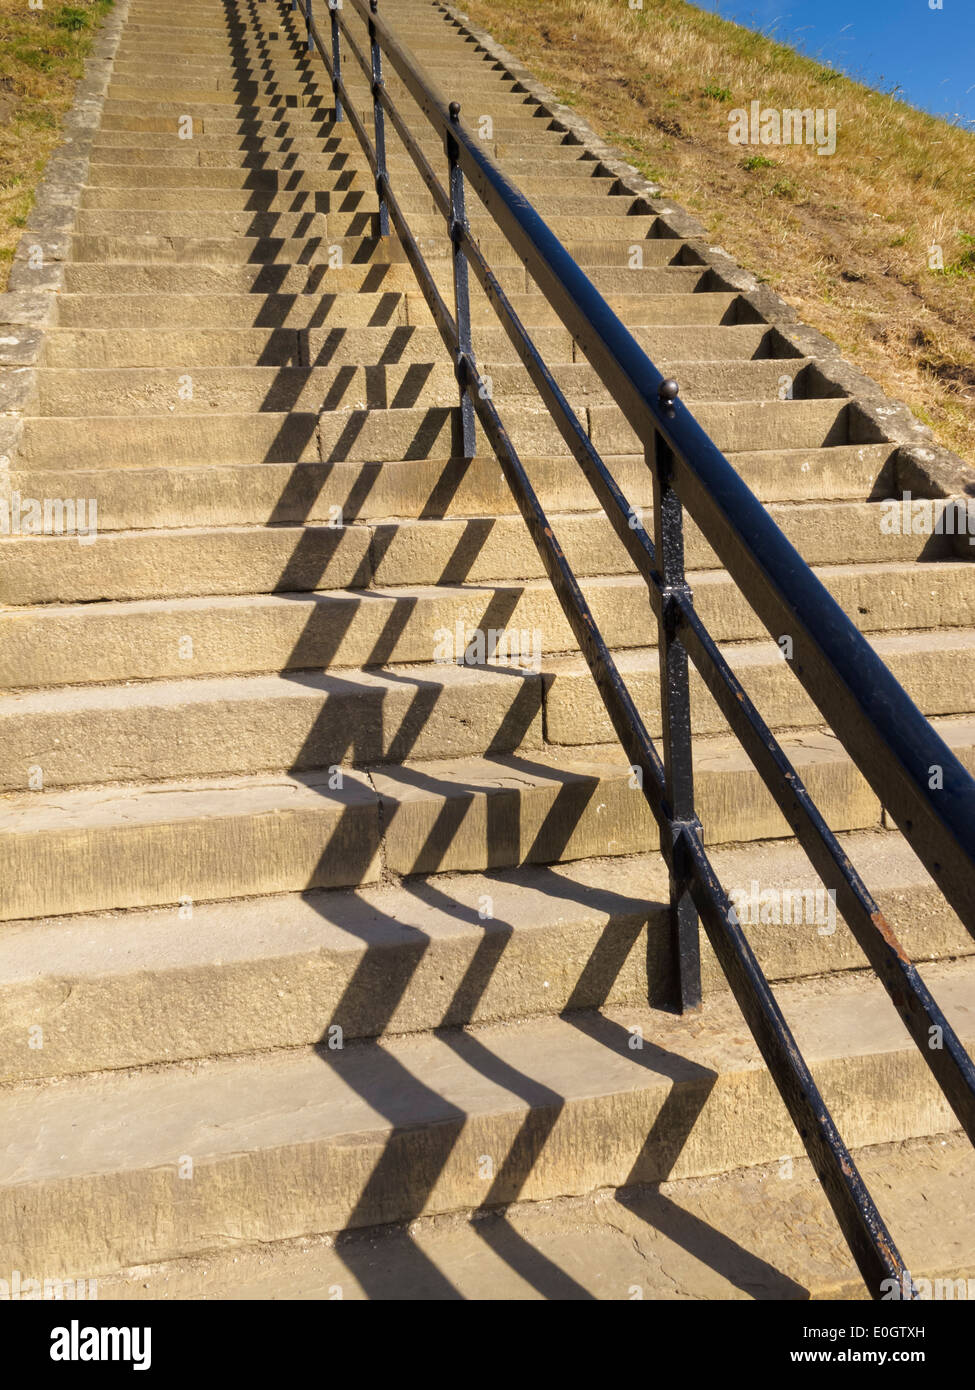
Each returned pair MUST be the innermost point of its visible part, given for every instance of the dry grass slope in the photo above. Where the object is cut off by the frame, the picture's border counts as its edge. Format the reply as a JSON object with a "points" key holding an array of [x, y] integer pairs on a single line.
{"points": [[41, 58], [843, 238]]}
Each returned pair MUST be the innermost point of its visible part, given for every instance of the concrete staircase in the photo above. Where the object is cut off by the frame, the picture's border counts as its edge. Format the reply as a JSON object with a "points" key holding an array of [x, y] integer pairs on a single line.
{"points": [[307, 929]]}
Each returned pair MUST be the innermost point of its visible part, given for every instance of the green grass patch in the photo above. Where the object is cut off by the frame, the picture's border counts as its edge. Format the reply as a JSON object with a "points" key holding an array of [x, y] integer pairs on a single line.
{"points": [[965, 263], [73, 19], [42, 55]]}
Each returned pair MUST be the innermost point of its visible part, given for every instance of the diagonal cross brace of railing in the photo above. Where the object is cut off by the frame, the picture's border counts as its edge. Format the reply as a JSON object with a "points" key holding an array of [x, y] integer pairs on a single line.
{"points": [[887, 737]]}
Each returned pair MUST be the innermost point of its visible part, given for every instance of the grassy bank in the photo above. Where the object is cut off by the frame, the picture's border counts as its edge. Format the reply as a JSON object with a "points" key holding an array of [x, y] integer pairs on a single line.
{"points": [[845, 238], [41, 58]]}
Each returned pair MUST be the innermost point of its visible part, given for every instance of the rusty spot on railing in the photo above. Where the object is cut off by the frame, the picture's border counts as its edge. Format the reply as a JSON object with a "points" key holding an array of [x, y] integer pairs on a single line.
{"points": [[887, 932]]}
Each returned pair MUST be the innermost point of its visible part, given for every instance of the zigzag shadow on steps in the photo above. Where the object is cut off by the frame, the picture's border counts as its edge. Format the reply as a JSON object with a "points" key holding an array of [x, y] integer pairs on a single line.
{"points": [[422, 1273], [390, 1078]]}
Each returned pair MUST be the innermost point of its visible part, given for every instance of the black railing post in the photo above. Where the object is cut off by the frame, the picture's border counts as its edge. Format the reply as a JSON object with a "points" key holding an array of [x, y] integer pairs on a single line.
{"points": [[675, 709], [379, 123], [333, 11], [311, 41], [462, 294]]}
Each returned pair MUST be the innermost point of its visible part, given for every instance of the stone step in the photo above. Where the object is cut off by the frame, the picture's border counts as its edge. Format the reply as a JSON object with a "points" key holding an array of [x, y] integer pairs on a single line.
{"points": [[320, 277], [329, 173], [126, 166], [937, 669], [233, 89], [119, 155], [279, 31], [156, 43], [140, 845], [401, 1127], [100, 348], [394, 959], [268, 146], [131, 349], [733, 426], [242, 725], [229, 724], [257, 494], [241, 48], [135, 846], [226, 390], [139, 563], [214, 16], [259, 252], [374, 435], [235, 201], [206, 36], [360, 310], [144, 19], [174, 80], [132, 100], [145, 22], [298, 109], [281, 278], [203, 65], [144, 639], [728, 1237], [193, 16], [308, 130], [137, 278], [204, 225], [73, 567], [250, 121], [198, 201], [172, 638], [159, 250], [247, 54], [281, 163], [246, 87], [273, 163], [137, 119], [746, 426], [232, 310]]}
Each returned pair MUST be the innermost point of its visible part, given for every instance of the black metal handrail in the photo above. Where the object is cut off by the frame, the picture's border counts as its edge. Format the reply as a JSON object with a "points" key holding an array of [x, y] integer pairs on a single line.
{"points": [[887, 737]]}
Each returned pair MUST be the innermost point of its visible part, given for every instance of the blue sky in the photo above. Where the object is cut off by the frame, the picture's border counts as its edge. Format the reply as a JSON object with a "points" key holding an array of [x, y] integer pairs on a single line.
{"points": [[929, 54]]}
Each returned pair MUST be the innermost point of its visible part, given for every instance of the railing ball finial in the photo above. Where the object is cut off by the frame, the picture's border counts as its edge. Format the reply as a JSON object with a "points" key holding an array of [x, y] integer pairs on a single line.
{"points": [[668, 391], [454, 109]]}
